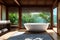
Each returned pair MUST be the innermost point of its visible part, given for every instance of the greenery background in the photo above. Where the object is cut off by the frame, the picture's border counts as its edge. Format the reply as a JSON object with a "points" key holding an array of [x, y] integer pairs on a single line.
{"points": [[41, 17]]}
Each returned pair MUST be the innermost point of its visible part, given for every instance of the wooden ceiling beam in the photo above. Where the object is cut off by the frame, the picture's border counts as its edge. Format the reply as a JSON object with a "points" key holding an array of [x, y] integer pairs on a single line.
{"points": [[44, 6], [16, 1], [44, 3]]}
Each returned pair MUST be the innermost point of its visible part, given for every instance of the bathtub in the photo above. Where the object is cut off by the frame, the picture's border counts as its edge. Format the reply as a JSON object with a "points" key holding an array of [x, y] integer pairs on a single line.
{"points": [[36, 26]]}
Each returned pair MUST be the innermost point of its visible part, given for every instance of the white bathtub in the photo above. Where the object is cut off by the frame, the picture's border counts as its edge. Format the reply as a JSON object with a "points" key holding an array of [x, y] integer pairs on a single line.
{"points": [[36, 26]]}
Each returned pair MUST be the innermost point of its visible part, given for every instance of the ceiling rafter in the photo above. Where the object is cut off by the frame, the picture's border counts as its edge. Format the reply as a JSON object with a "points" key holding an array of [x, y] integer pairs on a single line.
{"points": [[17, 2], [8, 2]]}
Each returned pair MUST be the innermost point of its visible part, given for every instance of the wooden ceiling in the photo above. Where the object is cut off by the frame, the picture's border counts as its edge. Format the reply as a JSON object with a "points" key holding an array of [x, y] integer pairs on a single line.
{"points": [[28, 2]]}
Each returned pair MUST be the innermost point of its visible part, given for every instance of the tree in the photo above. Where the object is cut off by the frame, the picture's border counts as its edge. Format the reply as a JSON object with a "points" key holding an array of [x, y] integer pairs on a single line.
{"points": [[45, 16], [13, 18]]}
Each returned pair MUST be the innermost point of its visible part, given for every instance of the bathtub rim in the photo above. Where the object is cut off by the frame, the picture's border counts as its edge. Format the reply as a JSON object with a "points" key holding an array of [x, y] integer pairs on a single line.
{"points": [[27, 28]]}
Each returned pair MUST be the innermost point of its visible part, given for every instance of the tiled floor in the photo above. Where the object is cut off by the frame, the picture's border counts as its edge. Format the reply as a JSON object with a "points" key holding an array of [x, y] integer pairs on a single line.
{"points": [[9, 34]]}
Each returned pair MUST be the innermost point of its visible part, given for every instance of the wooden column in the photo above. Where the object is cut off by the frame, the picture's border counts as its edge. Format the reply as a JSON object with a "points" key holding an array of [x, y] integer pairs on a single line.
{"points": [[58, 11], [57, 18], [20, 14], [0, 12], [51, 10], [6, 13]]}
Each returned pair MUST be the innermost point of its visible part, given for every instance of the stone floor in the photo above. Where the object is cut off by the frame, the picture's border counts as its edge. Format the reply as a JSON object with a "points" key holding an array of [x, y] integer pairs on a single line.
{"points": [[9, 34]]}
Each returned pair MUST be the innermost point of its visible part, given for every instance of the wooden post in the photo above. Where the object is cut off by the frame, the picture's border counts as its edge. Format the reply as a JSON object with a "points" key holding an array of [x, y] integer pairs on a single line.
{"points": [[0, 12], [20, 14], [7, 13], [51, 10], [57, 18]]}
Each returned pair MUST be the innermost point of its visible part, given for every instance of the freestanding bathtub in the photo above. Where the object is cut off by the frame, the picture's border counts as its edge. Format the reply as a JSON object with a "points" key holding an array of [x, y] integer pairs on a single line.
{"points": [[36, 26]]}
